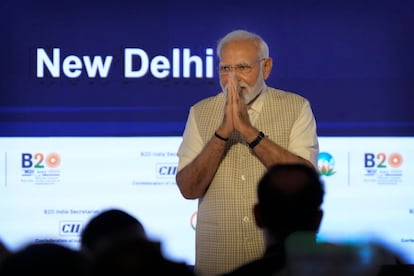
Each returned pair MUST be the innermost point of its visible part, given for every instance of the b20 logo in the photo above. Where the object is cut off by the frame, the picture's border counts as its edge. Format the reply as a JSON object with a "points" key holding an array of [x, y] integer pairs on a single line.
{"points": [[39, 160], [381, 160]]}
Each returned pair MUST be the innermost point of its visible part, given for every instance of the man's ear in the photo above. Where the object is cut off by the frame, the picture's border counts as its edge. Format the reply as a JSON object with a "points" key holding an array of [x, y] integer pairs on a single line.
{"points": [[258, 215], [268, 64]]}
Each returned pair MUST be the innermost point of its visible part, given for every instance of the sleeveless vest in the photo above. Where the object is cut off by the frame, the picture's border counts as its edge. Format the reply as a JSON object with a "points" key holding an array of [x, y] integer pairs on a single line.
{"points": [[226, 233]]}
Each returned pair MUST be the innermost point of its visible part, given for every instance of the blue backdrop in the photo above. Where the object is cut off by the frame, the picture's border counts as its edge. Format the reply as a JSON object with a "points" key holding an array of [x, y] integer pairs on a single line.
{"points": [[352, 59]]}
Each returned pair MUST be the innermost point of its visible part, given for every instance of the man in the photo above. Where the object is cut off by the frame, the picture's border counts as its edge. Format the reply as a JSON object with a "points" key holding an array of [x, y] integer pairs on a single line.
{"points": [[108, 227], [116, 243], [228, 143], [288, 210], [46, 259]]}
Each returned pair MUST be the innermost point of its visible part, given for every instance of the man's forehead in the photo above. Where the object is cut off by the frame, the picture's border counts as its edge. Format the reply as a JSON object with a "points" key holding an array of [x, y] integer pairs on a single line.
{"points": [[237, 48]]}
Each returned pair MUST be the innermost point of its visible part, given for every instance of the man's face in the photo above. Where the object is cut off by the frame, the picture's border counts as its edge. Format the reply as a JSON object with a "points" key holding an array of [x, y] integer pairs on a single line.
{"points": [[243, 58]]}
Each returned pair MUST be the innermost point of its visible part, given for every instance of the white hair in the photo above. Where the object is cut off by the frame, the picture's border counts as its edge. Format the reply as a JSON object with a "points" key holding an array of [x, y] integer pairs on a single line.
{"points": [[244, 35]]}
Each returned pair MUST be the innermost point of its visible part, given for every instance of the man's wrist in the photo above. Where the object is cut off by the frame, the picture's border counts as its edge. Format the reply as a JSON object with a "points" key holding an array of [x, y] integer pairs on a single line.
{"points": [[221, 137], [256, 141]]}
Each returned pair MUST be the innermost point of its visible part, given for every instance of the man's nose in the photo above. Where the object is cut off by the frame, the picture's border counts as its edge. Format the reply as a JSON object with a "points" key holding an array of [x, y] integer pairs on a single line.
{"points": [[234, 74]]}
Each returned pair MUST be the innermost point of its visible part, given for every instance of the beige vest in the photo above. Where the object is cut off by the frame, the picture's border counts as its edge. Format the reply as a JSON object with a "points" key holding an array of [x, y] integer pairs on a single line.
{"points": [[226, 235]]}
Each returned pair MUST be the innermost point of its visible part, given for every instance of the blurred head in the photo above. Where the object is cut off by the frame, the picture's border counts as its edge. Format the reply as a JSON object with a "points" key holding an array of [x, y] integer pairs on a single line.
{"points": [[127, 257], [108, 227], [289, 200], [46, 259], [136, 257], [244, 56]]}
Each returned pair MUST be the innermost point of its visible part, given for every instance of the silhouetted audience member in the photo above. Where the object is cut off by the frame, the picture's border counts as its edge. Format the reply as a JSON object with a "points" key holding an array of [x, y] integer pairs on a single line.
{"points": [[108, 227], [136, 257], [4, 251], [116, 244], [46, 259], [289, 202], [289, 212]]}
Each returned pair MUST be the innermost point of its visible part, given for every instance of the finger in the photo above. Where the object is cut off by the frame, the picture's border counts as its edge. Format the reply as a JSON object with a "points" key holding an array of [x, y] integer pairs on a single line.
{"points": [[234, 86]]}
